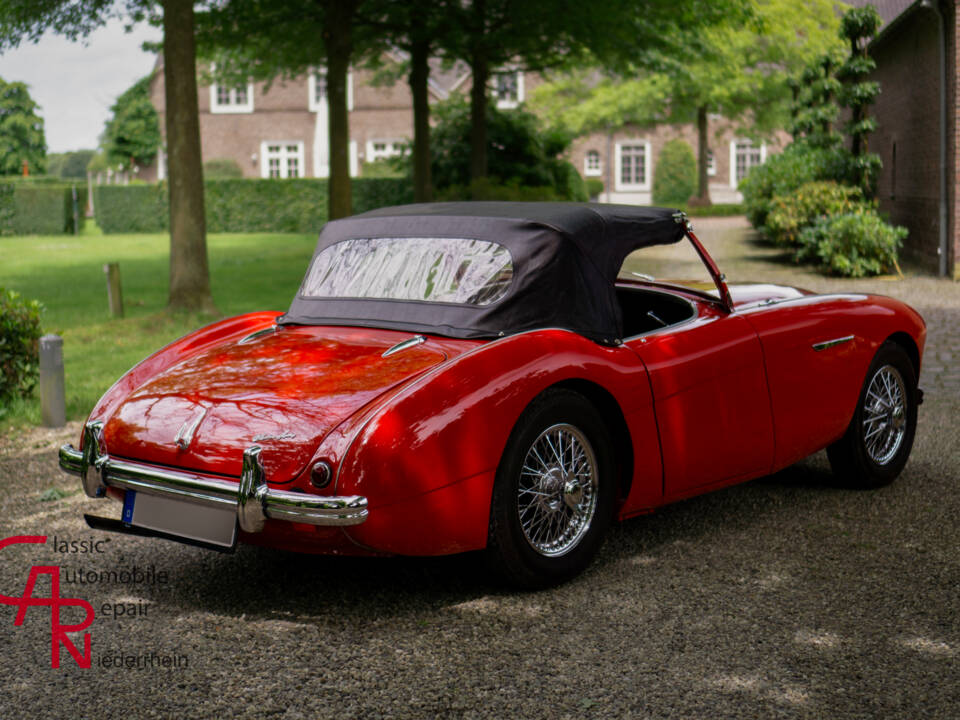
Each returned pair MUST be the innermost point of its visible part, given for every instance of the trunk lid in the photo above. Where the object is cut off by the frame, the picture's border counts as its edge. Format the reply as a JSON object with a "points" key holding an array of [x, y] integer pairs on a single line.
{"points": [[283, 389]]}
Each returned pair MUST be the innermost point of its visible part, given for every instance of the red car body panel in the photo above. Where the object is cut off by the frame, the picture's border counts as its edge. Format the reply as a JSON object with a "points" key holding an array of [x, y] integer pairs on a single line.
{"points": [[716, 400]]}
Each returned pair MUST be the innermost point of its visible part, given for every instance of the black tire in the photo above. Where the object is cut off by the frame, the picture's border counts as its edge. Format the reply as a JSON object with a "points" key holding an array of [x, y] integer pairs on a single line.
{"points": [[548, 515], [875, 448]]}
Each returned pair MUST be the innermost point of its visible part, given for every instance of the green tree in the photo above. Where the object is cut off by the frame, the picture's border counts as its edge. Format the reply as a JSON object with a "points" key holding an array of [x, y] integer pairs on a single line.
{"points": [[737, 65], [28, 20], [418, 27], [858, 93], [75, 164], [21, 131], [267, 39], [521, 153], [132, 134], [538, 35]]}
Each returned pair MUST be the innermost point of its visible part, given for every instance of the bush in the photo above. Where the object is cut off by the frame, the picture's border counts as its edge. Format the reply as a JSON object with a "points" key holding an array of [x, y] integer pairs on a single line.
{"points": [[791, 213], [32, 207], [19, 344], [780, 175], [568, 183], [675, 176], [853, 244], [221, 169], [594, 187], [243, 205]]}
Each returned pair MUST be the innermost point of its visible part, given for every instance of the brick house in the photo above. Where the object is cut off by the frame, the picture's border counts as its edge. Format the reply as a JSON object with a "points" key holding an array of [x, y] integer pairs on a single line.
{"points": [[282, 132], [911, 138], [624, 159]]}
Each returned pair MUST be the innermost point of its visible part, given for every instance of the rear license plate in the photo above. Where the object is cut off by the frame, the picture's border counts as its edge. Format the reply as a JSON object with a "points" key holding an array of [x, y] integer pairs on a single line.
{"points": [[201, 523]]}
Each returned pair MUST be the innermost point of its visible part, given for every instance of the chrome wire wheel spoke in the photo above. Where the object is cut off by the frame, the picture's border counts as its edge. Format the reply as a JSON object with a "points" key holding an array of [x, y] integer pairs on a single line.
{"points": [[884, 422], [557, 490]]}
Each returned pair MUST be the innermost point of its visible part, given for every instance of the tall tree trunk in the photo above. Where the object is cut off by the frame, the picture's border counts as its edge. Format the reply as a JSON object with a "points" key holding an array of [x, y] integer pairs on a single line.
{"points": [[480, 70], [189, 267], [339, 42], [703, 151], [419, 73]]}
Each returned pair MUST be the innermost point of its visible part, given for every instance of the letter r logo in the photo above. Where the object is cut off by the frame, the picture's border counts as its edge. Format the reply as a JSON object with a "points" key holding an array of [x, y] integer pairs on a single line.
{"points": [[58, 631]]}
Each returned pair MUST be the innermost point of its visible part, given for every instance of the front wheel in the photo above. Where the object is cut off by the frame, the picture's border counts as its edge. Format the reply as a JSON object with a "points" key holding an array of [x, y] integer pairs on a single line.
{"points": [[878, 441], [554, 492]]}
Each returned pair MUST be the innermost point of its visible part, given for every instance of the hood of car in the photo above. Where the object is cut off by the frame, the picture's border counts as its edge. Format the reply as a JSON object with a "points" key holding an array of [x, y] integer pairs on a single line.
{"points": [[748, 294], [283, 389]]}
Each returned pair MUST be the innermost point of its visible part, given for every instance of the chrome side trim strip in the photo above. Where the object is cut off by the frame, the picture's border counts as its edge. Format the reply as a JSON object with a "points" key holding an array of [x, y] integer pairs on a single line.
{"points": [[831, 343], [412, 342], [252, 499]]}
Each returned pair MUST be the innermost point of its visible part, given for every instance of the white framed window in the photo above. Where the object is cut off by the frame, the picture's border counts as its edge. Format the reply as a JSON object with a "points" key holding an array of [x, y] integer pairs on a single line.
{"points": [[711, 163], [743, 156], [592, 164], [382, 149], [281, 159], [508, 88], [231, 99], [633, 165], [317, 90]]}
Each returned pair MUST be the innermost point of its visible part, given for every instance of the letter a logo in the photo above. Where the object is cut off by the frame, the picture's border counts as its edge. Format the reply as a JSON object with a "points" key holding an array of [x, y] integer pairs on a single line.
{"points": [[58, 631]]}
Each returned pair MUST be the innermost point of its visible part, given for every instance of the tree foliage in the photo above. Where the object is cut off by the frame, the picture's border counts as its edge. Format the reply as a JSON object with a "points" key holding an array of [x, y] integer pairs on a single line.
{"points": [[69, 165], [21, 131], [736, 60], [132, 134], [269, 39], [28, 20], [521, 155], [836, 79]]}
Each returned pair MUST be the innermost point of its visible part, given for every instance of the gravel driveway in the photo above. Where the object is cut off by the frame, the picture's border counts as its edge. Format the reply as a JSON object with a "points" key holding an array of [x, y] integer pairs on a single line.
{"points": [[783, 597]]}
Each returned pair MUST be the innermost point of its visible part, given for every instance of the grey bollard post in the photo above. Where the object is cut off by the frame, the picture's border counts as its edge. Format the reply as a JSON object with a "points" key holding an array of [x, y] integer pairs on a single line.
{"points": [[114, 294], [53, 409]]}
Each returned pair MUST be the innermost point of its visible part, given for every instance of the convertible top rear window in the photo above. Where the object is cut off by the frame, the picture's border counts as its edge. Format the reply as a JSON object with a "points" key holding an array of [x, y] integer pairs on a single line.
{"points": [[447, 270]]}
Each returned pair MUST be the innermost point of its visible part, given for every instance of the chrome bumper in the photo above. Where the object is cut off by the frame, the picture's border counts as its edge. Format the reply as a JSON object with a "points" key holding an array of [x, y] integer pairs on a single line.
{"points": [[252, 499]]}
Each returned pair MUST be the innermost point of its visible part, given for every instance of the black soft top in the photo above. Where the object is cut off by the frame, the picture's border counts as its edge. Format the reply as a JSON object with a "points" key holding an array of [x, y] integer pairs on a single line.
{"points": [[566, 257]]}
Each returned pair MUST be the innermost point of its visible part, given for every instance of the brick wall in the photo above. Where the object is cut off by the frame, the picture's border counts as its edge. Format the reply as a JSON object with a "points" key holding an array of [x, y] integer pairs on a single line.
{"points": [[908, 134]]}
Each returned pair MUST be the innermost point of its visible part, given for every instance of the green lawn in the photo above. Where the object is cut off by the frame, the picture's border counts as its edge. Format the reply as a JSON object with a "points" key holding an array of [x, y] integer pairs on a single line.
{"points": [[256, 271]]}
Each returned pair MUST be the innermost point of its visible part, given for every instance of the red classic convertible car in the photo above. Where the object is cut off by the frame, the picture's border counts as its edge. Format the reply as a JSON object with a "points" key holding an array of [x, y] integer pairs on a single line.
{"points": [[465, 376]]}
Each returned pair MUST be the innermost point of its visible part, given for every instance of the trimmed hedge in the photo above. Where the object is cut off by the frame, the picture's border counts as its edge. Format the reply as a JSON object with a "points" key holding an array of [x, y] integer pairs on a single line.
{"points": [[296, 205], [716, 210], [39, 208], [675, 176]]}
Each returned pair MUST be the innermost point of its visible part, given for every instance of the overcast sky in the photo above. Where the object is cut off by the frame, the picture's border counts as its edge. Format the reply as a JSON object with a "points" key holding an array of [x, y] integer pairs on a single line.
{"points": [[76, 83]]}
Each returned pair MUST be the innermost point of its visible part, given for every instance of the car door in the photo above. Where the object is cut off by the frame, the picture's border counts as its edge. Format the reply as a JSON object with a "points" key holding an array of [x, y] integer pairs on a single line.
{"points": [[711, 400]]}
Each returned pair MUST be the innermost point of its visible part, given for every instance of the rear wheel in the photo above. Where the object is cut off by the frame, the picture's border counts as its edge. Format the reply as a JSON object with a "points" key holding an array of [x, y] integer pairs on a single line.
{"points": [[554, 492], [878, 441]]}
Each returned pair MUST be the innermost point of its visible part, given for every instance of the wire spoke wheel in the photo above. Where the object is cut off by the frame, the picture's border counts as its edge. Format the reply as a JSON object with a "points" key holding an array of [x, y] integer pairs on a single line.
{"points": [[557, 490], [884, 415]]}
